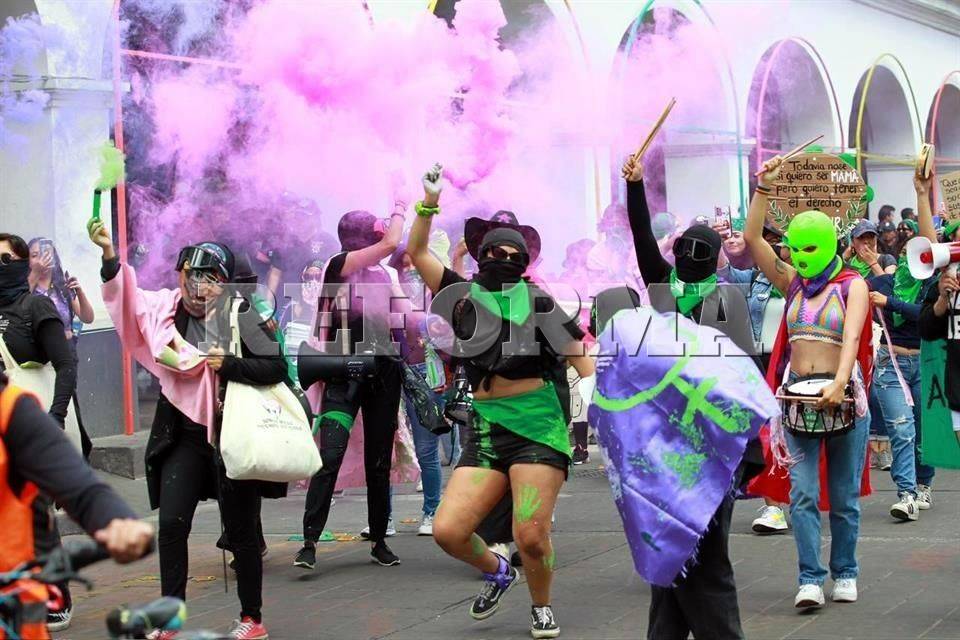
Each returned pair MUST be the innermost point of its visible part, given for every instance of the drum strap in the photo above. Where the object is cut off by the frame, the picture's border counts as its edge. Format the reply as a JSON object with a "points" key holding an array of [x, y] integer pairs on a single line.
{"points": [[893, 358]]}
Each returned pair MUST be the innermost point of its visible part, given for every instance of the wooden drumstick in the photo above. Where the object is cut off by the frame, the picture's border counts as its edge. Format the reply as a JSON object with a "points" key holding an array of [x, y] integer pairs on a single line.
{"points": [[789, 154], [656, 128]]}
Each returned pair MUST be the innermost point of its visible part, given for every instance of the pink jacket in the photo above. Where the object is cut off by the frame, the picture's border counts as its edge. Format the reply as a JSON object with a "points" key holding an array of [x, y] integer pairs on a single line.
{"points": [[144, 322]]}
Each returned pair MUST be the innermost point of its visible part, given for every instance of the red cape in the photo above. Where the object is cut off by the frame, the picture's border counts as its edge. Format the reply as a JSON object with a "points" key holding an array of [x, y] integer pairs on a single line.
{"points": [[775, 483]]}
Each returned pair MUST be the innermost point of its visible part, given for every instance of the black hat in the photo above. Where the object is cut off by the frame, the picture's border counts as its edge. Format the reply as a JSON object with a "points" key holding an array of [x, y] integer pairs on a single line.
{"points": [[475, 232]]}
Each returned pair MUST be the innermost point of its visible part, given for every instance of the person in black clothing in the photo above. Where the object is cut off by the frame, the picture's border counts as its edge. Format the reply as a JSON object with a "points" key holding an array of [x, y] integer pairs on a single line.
{"points": [[34, 453], [30, 325], [32, 331], [940, 320], [38, 453], [705, 600], [183, 467], [365, 242]]}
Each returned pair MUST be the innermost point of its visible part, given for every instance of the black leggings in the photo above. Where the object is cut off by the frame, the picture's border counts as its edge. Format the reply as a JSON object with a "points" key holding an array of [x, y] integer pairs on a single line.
{"points": [[185, 471], [379, 400], [46, 536]]}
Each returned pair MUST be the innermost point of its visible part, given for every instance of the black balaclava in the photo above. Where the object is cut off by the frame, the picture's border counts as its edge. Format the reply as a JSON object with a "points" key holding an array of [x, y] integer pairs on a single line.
{"points": [[13, 280], [689, 270], [358, 230], [493, 274]]}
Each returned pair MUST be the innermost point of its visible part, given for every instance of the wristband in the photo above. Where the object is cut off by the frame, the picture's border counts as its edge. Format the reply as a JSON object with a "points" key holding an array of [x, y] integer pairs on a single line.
{"points": [[424, 211], [397, 213], [765, 190], [872, 265]]}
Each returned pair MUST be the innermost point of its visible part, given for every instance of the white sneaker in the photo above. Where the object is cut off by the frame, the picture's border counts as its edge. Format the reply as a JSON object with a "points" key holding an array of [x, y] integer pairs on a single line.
{"points": [[844, 590], [885, 459], [810, 596], [924, 497], [906, 508], [502, 550], [426, 526], [771, 520], [419, 486], [391, 530]]}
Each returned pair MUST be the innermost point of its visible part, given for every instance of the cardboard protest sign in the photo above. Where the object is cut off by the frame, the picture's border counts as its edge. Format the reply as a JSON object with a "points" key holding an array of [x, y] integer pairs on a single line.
{"points": [[821, 182], [950, 194]]}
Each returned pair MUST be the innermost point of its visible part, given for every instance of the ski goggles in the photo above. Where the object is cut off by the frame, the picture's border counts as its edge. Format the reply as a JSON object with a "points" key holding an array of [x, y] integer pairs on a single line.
{"points": [[697, 250], [207, 258]]}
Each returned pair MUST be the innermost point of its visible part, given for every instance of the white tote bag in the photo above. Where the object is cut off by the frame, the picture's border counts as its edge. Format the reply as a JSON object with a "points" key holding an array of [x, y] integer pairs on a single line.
{"points": [[265, 434], [39, 380]]}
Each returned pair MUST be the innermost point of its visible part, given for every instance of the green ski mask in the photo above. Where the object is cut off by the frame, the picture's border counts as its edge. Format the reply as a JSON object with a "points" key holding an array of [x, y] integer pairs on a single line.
{"points": [[812, 238]]}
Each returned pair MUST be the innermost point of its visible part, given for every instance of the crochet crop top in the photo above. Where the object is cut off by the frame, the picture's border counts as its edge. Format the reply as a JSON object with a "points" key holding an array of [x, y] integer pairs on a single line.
{"points": [[819, 318]]}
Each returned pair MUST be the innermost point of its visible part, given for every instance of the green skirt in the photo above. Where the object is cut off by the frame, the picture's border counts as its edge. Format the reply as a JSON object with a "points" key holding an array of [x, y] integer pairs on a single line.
{"points": [[535, 415]]}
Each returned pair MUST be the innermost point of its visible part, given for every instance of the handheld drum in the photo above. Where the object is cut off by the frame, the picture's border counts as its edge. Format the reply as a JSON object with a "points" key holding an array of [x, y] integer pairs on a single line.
{"points": [[802, 417]]}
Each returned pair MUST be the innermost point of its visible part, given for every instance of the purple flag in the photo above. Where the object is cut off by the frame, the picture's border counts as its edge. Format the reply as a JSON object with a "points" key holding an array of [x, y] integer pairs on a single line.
{"points": [[672, 422]]}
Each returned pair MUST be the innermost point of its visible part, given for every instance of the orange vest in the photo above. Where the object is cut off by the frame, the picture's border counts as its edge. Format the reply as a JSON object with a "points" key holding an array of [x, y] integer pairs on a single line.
{"points": [[16, 543]]}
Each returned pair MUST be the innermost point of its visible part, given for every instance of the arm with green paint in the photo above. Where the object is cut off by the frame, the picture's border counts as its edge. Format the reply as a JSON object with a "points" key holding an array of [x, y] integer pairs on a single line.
{"points": [[778, 272], [427, 265]]}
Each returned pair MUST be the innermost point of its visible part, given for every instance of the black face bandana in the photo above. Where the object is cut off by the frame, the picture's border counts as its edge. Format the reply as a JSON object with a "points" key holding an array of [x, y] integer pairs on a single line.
{"points": [[13, 280], [494, 273], [691, 270]]}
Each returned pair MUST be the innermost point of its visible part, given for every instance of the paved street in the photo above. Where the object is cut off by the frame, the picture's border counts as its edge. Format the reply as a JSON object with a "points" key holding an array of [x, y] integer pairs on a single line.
{"points": [[909, 584]]}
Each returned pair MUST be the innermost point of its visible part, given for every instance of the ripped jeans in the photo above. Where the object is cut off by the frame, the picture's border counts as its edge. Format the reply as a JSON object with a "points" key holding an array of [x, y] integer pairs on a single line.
{"points": [[846, 457], [902, 421]]}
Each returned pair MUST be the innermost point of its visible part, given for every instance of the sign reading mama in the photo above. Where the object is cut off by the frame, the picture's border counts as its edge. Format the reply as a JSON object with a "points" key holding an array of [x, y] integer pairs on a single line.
{"points": [[821, 182]]}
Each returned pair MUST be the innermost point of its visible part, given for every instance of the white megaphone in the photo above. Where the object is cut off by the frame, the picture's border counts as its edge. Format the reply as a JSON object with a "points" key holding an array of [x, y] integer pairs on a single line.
{"points": [[925, 257]]}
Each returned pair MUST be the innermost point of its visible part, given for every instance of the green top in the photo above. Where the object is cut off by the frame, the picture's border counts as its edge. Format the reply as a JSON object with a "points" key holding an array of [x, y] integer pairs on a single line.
{"points": [[535, 415]]}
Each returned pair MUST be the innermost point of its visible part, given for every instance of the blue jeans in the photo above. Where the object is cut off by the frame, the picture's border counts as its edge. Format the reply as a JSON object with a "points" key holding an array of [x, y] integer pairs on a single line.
{"points": [[846, 456], [428, 453], [878, 428], [902, 422], [451, 444]]}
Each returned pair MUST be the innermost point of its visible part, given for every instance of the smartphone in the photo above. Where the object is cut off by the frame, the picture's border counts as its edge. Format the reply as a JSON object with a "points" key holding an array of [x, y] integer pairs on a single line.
{"points": [[46, 248]]}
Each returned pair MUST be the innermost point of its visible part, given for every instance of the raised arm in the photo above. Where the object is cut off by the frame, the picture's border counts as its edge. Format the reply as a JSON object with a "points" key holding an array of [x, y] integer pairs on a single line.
{"points": [[653, 267], [427, 265], [372, 255], [778, 272], [924, 213], [458, 262]]}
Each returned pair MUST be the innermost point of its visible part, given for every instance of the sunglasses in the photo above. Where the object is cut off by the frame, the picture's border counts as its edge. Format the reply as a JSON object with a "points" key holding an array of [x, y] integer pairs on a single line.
{"points": [[697, 250], [499, 253], [6, 258]]}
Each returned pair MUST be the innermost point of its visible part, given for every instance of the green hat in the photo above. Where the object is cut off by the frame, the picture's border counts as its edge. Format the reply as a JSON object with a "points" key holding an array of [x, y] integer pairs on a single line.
{"points": [[812, 238]]}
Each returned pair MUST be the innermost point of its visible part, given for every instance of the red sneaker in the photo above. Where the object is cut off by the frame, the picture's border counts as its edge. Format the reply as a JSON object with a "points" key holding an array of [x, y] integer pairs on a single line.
{"points": [[248, 629]]}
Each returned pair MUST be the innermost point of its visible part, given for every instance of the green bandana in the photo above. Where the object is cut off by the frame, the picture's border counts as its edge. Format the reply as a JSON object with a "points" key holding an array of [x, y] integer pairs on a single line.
{"points": [[512, 304], [905, 287], [859, 266], [690, 294]]}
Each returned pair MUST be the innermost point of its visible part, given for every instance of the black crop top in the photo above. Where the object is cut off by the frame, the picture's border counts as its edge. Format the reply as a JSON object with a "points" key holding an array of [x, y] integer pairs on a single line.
{"points": [[543, 353]]}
